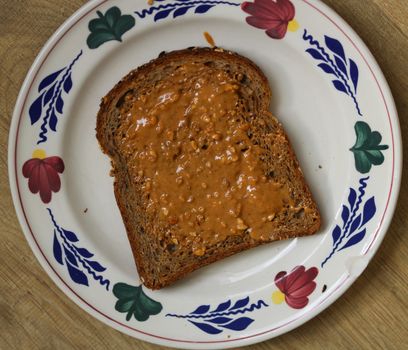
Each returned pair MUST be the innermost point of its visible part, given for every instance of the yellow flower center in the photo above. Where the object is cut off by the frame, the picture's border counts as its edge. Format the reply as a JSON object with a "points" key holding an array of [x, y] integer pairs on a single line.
{"points": [[39, 153], [278, 297], [293, 25]]}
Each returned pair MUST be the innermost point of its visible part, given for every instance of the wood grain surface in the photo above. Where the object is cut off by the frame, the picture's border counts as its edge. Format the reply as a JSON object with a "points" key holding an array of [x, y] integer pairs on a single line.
{"points": [[35, 314]]}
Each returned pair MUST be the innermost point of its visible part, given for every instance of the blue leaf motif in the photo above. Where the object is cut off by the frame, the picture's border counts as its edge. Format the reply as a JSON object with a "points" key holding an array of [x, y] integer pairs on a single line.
{"points": [[223, 317], [53, 96], [352, 198], [70, 236], [53, 121], [77, 275], [70, 256], [336, 234], [345, 215], [357, 238], [315, 54], [48, 80], [206, 327], [203, 8], [354, 217], [355, 224], [219, 320], [239, 324], [240, 303], [49, 94], [59, 105], [68, 84], [84, 252], [340, 64], [36, 109], [181, 11], [223, 306], [339, 86], [75, 258], [368, 211], [162, 14], [180, 7], [327, 69], [335, 46], [56, 248], [335, 64], [96, 266], [354, 73], [202, 309]]}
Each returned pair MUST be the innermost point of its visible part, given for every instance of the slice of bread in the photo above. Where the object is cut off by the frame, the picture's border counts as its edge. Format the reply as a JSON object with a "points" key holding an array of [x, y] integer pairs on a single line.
{"points": [[232, 90]]}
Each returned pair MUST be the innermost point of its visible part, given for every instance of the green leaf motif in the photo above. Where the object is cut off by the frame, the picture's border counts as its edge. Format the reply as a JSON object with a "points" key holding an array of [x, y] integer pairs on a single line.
{"points": [[367, 149], [110, 26], [134, 302]]}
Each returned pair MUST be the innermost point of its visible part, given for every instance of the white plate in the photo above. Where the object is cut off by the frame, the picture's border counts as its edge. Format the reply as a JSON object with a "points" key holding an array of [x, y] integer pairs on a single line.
{"points": [[327, 89]]}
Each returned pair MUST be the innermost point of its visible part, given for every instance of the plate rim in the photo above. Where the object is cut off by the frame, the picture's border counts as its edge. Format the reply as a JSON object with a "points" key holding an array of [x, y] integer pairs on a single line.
{"points": [[297, 320]]}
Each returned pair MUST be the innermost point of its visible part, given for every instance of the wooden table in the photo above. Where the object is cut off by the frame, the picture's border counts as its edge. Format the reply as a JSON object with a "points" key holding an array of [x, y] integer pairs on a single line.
{"points": [[35, 314]]}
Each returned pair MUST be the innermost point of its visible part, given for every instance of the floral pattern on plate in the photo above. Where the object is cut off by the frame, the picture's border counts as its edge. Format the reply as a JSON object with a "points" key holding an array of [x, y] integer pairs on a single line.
{"points": [[43, 174], [295, 286], [277, 17]]}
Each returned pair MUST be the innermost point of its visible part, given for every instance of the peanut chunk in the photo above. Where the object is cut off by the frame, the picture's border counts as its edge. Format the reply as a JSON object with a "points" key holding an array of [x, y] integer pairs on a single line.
{"points": [[241, 225]]}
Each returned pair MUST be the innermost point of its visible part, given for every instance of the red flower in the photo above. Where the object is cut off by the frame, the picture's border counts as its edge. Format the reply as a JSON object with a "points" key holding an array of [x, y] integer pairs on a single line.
{"points": [[43, 176], [296, 286], [272, 15]]}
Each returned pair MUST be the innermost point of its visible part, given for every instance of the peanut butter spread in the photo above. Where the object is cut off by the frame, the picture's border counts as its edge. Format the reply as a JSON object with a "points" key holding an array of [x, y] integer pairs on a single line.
{"points": [[202, 177]]}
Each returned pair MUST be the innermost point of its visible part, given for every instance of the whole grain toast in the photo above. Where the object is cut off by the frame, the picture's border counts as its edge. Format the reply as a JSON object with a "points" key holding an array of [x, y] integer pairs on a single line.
{"points": [[161, 258]]}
